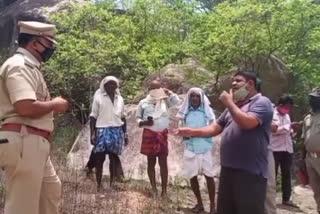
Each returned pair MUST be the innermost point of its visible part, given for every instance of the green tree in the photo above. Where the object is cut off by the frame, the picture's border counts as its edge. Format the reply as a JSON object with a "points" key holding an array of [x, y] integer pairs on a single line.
{"points": [[238, 32], [96, 40]]}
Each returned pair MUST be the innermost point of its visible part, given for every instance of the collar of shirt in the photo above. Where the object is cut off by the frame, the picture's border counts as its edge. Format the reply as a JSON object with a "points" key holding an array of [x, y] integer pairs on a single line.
{"points": [[254, 97], [279, 114], [200, 108], [106, 94], [29, 57]]}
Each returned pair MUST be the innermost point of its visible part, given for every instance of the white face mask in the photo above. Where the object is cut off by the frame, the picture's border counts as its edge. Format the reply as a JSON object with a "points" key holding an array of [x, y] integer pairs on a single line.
{"points": [[157, 94], [240, 94]]}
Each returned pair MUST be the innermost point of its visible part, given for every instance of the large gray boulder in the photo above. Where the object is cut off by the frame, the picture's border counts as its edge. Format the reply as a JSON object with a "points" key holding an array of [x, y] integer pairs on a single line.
{"points": [[27, 10], [272, 71], [180, 77]]}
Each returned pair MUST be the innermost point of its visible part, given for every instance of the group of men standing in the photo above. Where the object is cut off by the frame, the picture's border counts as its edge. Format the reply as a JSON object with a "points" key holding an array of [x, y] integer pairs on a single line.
{"points": [[250, 130]]}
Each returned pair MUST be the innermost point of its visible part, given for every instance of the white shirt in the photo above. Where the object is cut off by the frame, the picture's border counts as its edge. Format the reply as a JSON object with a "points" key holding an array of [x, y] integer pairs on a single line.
{"points": [[281, 139], [108, 114], [146, 109]]}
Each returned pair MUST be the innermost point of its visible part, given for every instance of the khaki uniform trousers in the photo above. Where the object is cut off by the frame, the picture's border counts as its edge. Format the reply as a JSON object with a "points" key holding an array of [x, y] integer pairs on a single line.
{"points": [[313, 169], [33, 186], [270, 206]]}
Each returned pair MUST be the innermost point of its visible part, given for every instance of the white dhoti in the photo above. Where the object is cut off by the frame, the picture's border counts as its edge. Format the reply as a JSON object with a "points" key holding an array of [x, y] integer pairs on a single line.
{"points": [[197, 164]]}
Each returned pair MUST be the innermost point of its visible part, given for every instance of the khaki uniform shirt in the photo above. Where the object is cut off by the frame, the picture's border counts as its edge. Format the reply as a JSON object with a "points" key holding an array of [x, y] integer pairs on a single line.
{"points": [[21, 79], [311, 132]]}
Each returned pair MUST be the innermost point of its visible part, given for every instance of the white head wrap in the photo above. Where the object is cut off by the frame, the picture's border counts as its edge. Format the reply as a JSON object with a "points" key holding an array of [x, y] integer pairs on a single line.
{"points": [[205, 103], [108, 79]]}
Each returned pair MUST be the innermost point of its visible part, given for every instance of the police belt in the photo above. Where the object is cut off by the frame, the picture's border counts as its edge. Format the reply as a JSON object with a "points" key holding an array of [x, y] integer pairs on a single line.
{"points": [[314, 154], [15, 127]]}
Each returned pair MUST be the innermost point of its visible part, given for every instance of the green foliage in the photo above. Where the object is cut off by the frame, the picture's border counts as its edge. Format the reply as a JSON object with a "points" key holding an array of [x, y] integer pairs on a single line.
{"points": [[238, 32], [96, 39], [3, 56], [93, 42]]}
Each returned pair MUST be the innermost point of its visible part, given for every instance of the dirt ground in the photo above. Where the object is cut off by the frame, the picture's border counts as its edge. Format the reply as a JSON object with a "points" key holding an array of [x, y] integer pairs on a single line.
{"points": [[134, 197], [80, 197]]}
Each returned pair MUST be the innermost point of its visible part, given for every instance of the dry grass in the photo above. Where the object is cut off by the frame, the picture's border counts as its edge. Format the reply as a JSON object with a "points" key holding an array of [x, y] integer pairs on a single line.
{"points": [[80, 197]]}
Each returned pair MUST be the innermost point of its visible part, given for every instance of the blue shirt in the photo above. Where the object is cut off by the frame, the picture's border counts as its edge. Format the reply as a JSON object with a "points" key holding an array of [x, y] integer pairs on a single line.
{"points": [[196, 118], [247, 149]]}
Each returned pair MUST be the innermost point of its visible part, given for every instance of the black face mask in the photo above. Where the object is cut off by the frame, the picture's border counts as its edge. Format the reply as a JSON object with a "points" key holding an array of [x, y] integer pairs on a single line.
{"points": [[47, 53]]}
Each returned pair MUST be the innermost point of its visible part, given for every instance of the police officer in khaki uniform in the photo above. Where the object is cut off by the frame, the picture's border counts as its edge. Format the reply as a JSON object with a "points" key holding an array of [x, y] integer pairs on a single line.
{"points": [[311, 135], [26, 114]]}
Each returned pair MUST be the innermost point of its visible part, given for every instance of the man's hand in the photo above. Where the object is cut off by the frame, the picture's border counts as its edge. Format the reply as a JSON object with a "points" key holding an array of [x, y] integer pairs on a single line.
{"points": [[296, 125], [167, 91], [226, 98], [126, 140], [60, 105], [93, 139], [274, 127], [146, 123], [184, 132]]}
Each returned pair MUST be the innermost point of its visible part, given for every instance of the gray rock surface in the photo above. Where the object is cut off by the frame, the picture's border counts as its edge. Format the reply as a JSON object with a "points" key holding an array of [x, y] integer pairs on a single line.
{"points": [[180, 77], [27, 10], [272, 71]]}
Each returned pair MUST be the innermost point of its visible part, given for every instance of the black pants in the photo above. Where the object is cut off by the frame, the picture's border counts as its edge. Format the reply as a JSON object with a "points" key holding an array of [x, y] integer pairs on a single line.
{"points": [[284, 160], [92, 160], [241, 192], [100, 157]]}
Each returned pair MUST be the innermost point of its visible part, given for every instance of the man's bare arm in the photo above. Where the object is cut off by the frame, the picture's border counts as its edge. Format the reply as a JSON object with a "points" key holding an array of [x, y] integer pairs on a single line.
{"points": [[36, 109], [212, 130], [243, 119]]}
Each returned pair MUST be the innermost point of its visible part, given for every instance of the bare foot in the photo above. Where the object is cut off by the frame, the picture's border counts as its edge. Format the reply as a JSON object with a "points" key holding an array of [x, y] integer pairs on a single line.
{"points": [[213, 210], [164, 195], [198, 208]]}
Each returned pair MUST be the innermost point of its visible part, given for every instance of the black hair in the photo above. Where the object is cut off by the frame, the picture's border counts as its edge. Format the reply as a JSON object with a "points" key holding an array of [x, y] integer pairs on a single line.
{"points": [[250, 75], [314, 103], [285, 100], [24, 39]]}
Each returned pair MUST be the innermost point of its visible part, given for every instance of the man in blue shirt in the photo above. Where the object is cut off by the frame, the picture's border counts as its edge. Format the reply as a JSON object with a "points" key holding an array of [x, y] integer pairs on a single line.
{"points": [[245, 126], [196, 112]]}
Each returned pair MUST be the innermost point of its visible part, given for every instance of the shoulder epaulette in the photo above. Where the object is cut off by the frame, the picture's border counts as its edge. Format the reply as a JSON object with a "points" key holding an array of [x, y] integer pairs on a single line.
{"points": [[26, 62], [29, 64]]}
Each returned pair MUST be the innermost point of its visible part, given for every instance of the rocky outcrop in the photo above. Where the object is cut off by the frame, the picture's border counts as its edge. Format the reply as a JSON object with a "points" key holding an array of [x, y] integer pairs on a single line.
{"points": [[272, 71], [27, 10], [180, 77]]}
